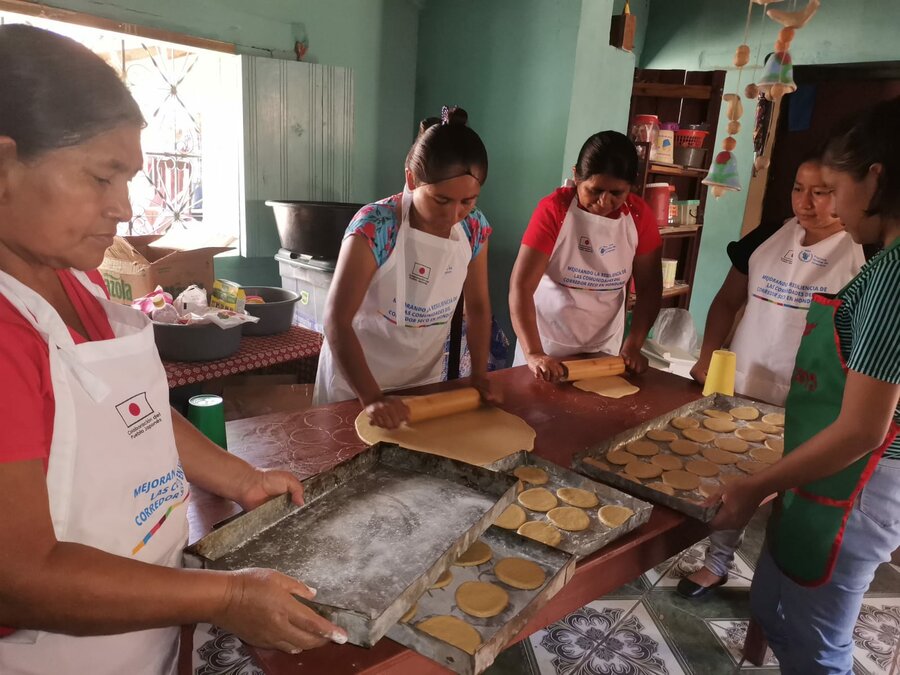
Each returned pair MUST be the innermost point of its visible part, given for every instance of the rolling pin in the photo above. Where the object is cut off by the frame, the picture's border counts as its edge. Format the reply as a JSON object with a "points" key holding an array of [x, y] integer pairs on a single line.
{"points": [[429, 407], [605, 366]]}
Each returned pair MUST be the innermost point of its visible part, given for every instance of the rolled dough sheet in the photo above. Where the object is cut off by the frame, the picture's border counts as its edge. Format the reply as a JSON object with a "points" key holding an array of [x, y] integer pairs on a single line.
{"points": [[610, 387], [480, 437]]}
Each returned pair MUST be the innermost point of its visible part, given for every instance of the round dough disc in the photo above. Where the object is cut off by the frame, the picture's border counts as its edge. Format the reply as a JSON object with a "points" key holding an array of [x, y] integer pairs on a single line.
{"points": [[775, 444], [520, 573], [620, 457], [569, 518], [443, 580], [409, 614], [681, 480], [537, 499], [749, 466], [662, 487], [478, 553], [765, 428], [577, 497], [593, 461], [481, 599], [765, 455], [452, 630], [641, 469], [729, 478], [731, 444], [701, 435], [614, 516], [643, 448], [667, 462], [720, 425], [719, 414], [745, 413], [775, 419], [661, 435], [684, 448], [511, 518], [709, 487], [630, 478], [531, 474], [717, 456], [684, 423], [542, 532], [752, 435], [702, 468]]}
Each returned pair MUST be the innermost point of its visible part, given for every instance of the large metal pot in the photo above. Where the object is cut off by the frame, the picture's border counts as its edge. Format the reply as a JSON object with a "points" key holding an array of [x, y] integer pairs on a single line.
{"points": [[315, 229]]}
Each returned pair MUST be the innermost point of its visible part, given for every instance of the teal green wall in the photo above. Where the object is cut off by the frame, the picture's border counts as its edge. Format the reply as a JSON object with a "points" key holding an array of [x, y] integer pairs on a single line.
{"points": [[702, 35], [512, 64], [376, 38]]}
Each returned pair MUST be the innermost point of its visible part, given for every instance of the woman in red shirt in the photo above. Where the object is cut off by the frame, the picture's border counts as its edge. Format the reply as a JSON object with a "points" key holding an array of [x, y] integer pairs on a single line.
{"points": [[584, 243], [94, 467]]}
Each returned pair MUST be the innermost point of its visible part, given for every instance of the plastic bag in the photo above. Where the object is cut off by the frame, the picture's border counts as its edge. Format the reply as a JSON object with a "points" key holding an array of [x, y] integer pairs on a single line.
{"points": [[675, 328]]}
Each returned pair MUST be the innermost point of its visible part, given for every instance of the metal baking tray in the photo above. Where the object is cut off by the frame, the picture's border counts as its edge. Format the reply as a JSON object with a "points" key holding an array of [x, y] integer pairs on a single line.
{"points": [[598, 535], [687, 502], [374, 533], [498, 631]]}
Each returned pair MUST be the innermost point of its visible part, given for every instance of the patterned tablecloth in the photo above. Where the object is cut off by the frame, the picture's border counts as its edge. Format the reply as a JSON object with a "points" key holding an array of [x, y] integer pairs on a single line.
{"points": [[297, 344]]}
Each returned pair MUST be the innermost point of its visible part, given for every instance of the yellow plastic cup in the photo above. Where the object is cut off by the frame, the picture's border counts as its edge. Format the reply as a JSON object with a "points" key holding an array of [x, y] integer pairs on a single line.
{"points": [[720, 377]]}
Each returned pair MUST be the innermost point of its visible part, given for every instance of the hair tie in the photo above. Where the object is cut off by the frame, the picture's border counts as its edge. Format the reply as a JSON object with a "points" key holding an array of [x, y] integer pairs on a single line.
{"points": [[445, 115]]}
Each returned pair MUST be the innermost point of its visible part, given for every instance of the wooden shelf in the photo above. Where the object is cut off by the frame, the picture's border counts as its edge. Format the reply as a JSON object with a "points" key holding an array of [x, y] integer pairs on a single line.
{"points": [[675, 170], [678, 289], [675, 230], [660, 90]]}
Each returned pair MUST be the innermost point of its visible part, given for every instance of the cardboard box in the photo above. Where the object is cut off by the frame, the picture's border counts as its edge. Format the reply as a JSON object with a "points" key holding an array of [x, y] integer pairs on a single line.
{"points": [[135, 266]]}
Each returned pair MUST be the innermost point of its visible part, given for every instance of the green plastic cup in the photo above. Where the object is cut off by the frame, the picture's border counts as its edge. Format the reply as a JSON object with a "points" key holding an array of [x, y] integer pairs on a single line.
{"points": [[207, 413]]}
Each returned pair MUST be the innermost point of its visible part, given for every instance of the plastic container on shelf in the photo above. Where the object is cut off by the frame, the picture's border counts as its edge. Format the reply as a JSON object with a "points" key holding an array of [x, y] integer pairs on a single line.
{"points": [[690, 138], [645, 129], [673, 210], [663, 150], [658, 196], [669, 266]]}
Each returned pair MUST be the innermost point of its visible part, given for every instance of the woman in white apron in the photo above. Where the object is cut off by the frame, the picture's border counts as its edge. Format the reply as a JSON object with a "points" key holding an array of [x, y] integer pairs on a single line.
{"points": [[582, 246], [775, 276], [404, 263], [95, 470]]}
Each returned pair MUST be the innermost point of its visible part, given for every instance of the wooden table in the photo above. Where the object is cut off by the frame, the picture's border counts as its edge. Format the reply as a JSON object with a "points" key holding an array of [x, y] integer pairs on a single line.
{"points": [[567, 421], [255, 353]]}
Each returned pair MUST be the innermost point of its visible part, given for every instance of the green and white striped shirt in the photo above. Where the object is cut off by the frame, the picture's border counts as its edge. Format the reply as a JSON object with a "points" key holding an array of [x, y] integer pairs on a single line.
{"points": [[868, 323]]}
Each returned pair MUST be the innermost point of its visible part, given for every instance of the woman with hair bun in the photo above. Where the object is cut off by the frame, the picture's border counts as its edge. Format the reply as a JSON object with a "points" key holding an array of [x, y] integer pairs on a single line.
{"points": [[94, 466], [837, 516], [404, 263], [582, 246]]}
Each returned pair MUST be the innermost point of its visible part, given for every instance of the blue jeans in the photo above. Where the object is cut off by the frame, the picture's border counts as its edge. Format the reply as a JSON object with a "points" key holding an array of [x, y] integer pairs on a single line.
{"points": [[810, 630], [720, 554]]}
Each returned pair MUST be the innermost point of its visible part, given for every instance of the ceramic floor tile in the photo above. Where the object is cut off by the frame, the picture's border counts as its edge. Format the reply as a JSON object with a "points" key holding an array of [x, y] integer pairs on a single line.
{"points": [[515, 660], [606, 637], [731, 634], [877, 634], [217, 652], [740, 575]]}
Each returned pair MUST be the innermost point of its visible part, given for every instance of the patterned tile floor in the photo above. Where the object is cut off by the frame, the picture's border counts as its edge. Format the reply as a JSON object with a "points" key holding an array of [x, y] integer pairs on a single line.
{"points": [[646, 628]]}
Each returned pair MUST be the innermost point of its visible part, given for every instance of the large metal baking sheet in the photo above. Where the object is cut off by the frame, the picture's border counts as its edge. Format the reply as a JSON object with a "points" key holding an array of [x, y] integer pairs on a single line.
{"points": [[496, 632], [687, 502], [374, 534], [598, 535]]}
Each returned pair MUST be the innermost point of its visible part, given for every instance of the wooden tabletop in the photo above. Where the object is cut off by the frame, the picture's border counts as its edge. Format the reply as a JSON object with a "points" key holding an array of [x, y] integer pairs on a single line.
{"points": [[567, 421]]}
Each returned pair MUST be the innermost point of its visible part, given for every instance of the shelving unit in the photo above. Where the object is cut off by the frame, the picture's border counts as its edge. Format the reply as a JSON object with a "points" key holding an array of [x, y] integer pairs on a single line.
{"points": [[685, 97]]}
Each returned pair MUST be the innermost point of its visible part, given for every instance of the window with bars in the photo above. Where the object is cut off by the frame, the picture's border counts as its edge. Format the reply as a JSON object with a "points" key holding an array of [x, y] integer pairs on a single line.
{"points": [[191, 101]]}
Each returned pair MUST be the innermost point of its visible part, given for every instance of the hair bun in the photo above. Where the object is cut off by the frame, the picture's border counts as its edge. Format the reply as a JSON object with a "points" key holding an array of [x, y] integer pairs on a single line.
{"points": [[457, 115]]}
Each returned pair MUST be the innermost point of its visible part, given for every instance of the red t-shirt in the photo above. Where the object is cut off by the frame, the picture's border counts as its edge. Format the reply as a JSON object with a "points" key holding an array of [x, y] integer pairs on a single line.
{"points": [[547, 219], [26, 397]]}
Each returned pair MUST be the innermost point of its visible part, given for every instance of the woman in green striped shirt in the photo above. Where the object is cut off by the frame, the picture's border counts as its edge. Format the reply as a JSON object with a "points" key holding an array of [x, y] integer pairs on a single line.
{"points": [[837, 517]]}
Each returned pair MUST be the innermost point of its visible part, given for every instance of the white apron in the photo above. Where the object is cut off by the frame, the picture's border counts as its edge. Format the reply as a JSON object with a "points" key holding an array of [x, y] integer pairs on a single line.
{"points": [[425, 275], [580, 301], [114, 478], [783, 275]]}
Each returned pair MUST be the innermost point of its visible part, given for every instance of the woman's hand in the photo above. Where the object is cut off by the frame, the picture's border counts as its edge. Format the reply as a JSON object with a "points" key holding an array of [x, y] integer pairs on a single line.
{"points": [[488, 392], [545, 367], [260, 608], [635, 362], [740, 500], [699, 372], [388, 412], [263, 484]]}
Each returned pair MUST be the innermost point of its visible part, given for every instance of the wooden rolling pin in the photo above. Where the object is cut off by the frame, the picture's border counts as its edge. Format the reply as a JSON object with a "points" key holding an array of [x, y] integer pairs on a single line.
{"points": [[429, 407], [605, 366]]}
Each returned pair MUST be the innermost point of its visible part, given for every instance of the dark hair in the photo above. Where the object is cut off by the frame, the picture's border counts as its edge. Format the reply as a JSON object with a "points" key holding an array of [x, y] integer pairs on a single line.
{"points": [[609, 153], [446, 148], [55, 92], [871, 138]]}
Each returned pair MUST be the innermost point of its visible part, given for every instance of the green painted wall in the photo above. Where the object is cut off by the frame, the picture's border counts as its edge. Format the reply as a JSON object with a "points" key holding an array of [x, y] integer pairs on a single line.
{"points": [[376, 38], [702, 35]]}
